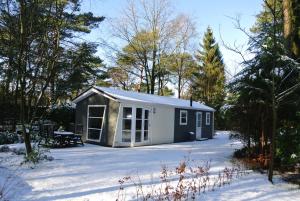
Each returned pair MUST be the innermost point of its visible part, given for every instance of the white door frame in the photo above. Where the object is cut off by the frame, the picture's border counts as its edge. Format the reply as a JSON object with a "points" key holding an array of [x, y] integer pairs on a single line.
{"points": [[87, 123], [133, 125], [143, 141], [199, 127]]}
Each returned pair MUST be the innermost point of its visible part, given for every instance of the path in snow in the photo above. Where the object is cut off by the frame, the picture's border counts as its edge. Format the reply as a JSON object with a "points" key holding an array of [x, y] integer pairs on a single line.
{"points": [[92, 172]]}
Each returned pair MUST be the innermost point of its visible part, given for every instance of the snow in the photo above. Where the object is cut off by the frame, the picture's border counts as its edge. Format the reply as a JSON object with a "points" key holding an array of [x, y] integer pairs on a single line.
{"points": [[146, 98], [92, 172]]}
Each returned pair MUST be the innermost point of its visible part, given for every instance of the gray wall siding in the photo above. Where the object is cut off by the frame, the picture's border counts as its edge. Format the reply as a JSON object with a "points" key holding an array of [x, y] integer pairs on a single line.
{"points": [[181, 132], [112, 121], [108, 129], [207, 129]]}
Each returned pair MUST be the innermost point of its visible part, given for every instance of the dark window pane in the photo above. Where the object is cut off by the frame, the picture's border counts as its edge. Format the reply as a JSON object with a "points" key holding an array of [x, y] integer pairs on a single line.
{"points": [[198, 123], [138, 136], [207, 118], [96, 111], [146, 125], [145, 135], [146, 114], [138, 125], [183, 114], [127, 112], [126, 124], [95, 123], [183, 120], [93, 134], [139, 112], [126, 136]]}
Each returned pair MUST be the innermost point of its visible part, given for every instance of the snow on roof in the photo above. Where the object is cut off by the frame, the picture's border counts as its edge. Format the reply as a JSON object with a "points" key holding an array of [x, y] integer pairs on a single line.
{"points": [[151, 99]]}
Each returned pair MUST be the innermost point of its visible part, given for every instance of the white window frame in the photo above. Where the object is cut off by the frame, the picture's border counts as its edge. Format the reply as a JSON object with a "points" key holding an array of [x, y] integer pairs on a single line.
{"points": [[207, 118], [180, 117], [87, 122], [143, 125], [132, 123]]}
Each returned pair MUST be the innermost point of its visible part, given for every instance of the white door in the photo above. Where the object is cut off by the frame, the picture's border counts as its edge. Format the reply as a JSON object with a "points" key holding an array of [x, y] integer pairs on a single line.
{"points": [[135, 125], [142, 125], [198, 125]]}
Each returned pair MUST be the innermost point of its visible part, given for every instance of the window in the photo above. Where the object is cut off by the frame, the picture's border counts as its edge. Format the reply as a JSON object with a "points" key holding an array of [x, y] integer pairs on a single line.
{"points": [[138, 124], [95, 122], [183, 117], [126, 124], [146, 124], [207, 118]]}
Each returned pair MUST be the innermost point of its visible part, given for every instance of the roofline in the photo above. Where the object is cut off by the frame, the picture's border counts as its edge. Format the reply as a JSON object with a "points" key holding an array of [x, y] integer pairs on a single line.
{"points": [[74, 99], [81, 96], [172, 106], [106, 94], [111, 97]]}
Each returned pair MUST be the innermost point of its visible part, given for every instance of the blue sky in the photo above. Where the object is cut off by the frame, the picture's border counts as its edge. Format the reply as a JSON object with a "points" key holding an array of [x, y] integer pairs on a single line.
{"points": [[204, 12]]}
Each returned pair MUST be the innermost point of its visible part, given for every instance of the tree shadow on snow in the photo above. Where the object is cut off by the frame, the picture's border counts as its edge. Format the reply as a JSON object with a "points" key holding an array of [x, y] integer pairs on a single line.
{"points": [[12, 185]]}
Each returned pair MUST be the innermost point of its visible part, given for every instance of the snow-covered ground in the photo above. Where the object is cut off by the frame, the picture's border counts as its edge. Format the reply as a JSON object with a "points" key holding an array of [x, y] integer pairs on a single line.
{"points": [[92, 172]]}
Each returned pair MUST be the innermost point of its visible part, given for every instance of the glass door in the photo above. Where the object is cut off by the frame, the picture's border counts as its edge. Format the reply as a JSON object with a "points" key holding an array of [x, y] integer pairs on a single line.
{"points": [[135, 125], [141, 125]]}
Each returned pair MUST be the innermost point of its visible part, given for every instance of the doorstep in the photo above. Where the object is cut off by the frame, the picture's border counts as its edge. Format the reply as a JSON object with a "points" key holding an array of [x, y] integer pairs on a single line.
{"points": [[201, 139]]}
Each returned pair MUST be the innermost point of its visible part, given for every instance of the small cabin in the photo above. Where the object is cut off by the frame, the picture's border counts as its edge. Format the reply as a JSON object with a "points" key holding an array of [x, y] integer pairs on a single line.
{"points": [[118, 118]]}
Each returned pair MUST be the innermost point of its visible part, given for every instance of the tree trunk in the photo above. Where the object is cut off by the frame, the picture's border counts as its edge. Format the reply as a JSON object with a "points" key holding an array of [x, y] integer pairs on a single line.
{"points": [[249, 139], [179, 86], [291, 24], [262, 136], [272, 139], [22, 77]]}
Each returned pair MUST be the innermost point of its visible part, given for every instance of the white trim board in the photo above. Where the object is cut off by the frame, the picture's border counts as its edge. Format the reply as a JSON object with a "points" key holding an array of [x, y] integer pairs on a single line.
{"points": [[87, 123]]}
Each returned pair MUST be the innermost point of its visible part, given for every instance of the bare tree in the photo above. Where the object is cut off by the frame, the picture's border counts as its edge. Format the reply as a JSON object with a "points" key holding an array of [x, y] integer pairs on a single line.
{"points": [[149, 30]]}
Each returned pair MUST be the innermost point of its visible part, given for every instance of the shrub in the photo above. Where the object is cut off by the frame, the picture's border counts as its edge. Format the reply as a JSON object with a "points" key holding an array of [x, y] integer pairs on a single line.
{"points": [[37, 155], [19, 151], [62, 115], [4, 148], [186, 182], [240, 153], [288, 145], [8, 138]]}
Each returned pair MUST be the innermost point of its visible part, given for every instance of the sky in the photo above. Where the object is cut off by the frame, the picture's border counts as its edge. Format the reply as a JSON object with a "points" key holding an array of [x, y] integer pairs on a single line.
{"points": [[214, 13]]}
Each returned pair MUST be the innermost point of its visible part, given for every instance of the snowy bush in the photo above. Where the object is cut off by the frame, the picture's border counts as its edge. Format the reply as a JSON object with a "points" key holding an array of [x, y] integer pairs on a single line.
{"points": [[18, 150], [8, 138], [37, 155], [4, 148]]}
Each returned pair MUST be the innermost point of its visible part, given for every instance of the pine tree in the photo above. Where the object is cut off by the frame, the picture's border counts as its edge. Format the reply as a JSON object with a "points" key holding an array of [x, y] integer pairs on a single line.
{"points": [[209, 81]]}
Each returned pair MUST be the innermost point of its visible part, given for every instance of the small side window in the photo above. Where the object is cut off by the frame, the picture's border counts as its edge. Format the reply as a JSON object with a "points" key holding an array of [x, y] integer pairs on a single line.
{"points": [[207, 118], [183, 117]]}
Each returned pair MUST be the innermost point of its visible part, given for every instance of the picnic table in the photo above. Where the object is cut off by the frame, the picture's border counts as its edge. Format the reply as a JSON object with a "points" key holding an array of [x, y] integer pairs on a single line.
{"points": [[67, 138]]}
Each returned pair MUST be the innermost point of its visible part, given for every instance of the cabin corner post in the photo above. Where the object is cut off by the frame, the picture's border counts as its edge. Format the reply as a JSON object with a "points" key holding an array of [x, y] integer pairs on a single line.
{"points": [[133, 123], [117, 127], [213, 124]]}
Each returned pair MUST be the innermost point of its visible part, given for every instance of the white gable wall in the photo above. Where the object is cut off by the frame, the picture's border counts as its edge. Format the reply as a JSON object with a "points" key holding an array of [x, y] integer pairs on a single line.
{"points": [[162, 127]]}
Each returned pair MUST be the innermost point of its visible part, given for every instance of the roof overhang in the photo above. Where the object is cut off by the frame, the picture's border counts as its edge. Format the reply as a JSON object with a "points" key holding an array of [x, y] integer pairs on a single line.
{"points": [[91, 91], [95, 90]]}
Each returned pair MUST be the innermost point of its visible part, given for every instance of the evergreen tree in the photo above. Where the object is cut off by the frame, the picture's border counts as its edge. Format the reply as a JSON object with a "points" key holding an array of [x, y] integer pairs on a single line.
{"points": [[35, 39], [209, 81], [267, 91]]}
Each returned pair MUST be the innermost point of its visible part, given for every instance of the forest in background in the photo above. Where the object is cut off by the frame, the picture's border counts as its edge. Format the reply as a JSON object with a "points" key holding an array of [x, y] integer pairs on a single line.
{"points": [[44, 62]]}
